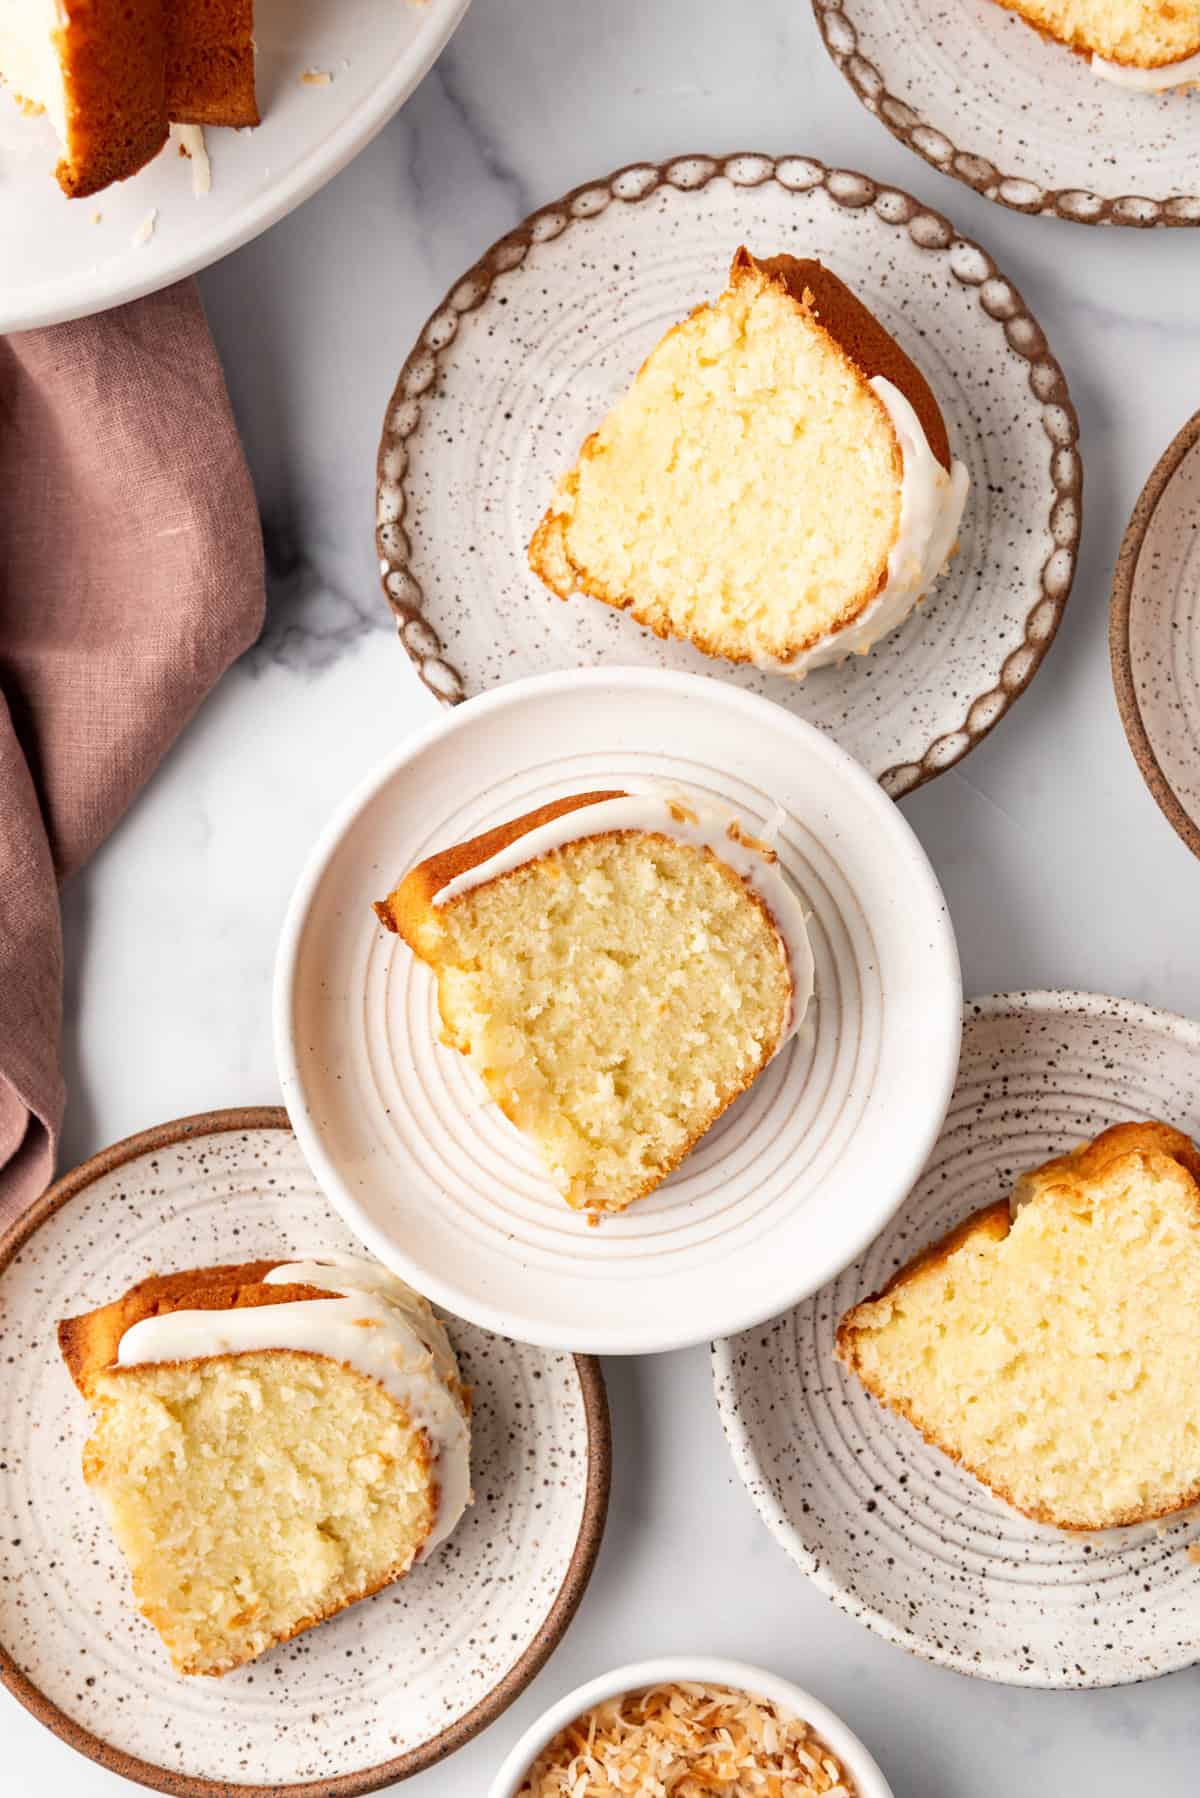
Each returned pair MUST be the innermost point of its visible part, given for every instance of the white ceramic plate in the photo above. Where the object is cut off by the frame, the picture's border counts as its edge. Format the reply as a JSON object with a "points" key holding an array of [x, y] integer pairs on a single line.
{"points": [[982, 96], [785, 1188], [790, 1700], [58, 262], [389, 1686], [889, 1528], [534, 343], [1154, 632]]}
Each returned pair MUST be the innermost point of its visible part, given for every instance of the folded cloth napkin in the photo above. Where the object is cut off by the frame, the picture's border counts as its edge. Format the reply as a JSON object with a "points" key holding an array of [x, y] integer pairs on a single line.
{"points": [[131, 575]]}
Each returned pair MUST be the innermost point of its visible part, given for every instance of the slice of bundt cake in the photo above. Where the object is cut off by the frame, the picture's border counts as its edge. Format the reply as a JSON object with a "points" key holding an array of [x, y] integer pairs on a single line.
{"points": [[776, 486], [617, 967], [272, 1441], [1050, 1346], [111, 75], [1147, 44]]}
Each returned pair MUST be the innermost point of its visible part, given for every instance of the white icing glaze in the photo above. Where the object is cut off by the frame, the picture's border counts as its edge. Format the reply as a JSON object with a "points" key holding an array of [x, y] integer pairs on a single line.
{"points": [[403, 1346], [190, 138], [647, 805], [1148, 81], [931, 509], [31, 60]]}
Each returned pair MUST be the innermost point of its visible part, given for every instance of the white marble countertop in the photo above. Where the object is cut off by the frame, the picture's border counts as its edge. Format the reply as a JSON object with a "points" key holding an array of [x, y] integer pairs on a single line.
{"points": [[1058, 867]]}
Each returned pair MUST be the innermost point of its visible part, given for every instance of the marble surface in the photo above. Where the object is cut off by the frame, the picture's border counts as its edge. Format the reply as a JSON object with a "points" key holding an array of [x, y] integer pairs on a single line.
{"points": [[1058, 867]]}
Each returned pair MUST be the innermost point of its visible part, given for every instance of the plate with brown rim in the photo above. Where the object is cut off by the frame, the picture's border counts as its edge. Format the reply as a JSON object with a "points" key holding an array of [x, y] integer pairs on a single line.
{"points": [[1154, 632], [532, 345], [382, 1690], [982, 96]]}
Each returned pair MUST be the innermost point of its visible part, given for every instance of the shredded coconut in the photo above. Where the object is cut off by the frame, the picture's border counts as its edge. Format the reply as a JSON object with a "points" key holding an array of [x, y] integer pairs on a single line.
{"points": [[316, 78], [686, 1741], [145, 230]]}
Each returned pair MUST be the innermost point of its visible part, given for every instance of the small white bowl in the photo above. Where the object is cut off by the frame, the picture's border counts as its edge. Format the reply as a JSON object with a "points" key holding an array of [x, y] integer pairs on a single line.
{"points": [[866, 1778]]}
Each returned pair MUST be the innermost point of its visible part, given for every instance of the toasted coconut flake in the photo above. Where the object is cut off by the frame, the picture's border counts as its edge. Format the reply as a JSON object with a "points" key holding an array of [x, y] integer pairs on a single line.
{"points": [[737, 834], [687, 1741]]}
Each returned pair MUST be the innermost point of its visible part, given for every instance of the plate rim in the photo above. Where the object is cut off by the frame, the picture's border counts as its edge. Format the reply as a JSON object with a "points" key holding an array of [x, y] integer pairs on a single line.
{"points": [[1119, 623], [846, 187], [457, 1734], [313, 870], [1045, 1001], [300, 184], [906, 125]]}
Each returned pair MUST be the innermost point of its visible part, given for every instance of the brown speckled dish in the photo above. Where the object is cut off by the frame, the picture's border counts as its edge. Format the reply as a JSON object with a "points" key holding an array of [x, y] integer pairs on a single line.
{"points": [[983, 97], [381, 1691], [534, 343], [1154, 632], [884, 1524]]}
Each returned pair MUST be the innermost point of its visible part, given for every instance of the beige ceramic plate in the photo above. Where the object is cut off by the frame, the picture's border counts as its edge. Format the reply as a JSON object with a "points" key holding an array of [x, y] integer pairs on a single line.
{"points": [[983, 97], [1154, 633], [885, 1525], [391, 1685], [533, 344]]}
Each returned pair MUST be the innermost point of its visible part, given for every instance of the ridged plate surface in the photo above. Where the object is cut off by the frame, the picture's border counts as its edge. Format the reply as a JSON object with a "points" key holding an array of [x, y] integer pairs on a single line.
{"points": [[1154, 632], [388, 1686], [785, 1188], [531, 347], [1020, 118], [890, 1528]]}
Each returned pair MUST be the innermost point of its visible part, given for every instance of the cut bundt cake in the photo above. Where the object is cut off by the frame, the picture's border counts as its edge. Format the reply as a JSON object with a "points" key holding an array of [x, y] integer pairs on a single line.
{"points": [[617, 967], [271, 1442], [112, 75], [776, 486], [1148, 44], [1050, 1345]]}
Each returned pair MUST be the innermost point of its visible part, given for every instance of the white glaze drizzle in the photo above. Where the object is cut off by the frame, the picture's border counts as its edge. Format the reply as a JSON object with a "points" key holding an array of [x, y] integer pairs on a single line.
{"points": [[664, 809], [1159, 80], [190, 139], [403, 1346], [931, 509]]}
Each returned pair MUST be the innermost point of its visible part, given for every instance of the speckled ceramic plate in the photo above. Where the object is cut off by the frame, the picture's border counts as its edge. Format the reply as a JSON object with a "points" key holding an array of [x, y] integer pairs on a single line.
{"points": [[983, 97], [1154, 633], [389, 1686], [533, 344], [889, 1528], [789, 1183]]}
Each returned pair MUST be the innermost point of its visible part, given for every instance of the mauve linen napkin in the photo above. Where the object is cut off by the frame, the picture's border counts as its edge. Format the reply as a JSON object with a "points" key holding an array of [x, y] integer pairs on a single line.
{"points": [[131, 575]]}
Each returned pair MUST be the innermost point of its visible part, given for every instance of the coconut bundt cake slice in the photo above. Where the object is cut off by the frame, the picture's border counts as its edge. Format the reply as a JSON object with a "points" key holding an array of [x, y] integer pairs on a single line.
{"points": [[776, 486], [112, 75], [1147, 44], [1050, 1346], [272, 1441], [617, 967]]}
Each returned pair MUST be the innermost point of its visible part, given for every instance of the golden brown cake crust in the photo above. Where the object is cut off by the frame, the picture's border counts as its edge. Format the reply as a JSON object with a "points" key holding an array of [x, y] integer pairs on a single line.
{"points": [[410, 904], [1078, 44], [1067, 1177], [89, 1343], [857, 333], [113, 54], [210, 62], [131, 66]]}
